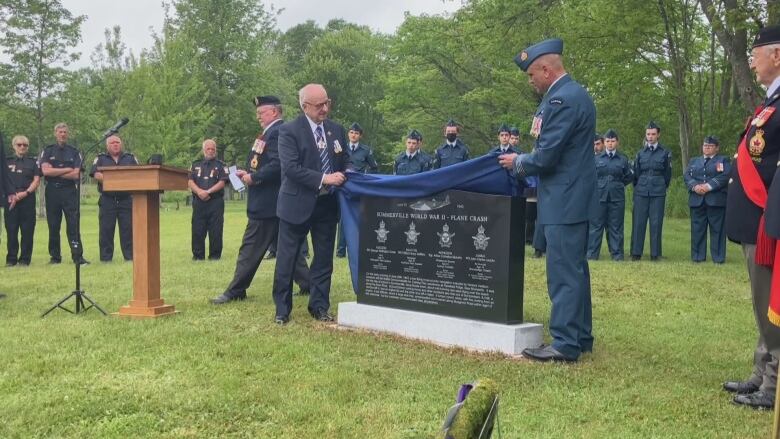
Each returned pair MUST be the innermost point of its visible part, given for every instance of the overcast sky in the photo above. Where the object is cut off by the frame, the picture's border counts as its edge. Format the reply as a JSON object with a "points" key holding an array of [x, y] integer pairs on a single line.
{"points": [[137, 17]]}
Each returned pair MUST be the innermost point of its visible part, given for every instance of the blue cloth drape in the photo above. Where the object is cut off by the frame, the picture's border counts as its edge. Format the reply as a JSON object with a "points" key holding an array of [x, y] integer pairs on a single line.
{"points": [[481, 175]]}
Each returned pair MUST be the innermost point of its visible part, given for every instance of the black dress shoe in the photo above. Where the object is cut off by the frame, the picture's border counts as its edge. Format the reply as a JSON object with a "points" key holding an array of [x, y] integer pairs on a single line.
{"points": [[2, 295], [655, 258], [740, 387], [81, 261], [636, 257], [55, 261], [321, 315], [281, 320], [224, 298], [10, 264], [546, 353], [341, 255], [758, 400], [538, 254]]}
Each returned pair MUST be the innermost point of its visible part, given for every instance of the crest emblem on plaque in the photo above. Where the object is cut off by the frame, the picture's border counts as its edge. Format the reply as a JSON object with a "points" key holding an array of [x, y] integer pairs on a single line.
{"points": [[381, 233], [412, 234], [445, 237], [481, 240]]}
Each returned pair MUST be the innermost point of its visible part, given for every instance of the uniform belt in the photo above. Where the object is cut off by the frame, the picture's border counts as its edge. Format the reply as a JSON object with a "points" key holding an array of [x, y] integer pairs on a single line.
{"points": [[62, 185]]}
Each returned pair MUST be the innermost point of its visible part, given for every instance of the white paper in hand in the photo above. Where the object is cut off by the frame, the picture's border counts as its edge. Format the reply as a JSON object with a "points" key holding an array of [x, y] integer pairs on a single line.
{"points": [[238, 185]]}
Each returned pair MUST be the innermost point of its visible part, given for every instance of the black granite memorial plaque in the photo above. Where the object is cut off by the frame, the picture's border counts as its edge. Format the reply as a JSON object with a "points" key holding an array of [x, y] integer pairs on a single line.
{"points": [[457, 253]]}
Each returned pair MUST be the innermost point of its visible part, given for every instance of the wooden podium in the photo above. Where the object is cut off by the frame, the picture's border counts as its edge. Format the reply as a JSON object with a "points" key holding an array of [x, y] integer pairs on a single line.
{"points": [[145, 183]]}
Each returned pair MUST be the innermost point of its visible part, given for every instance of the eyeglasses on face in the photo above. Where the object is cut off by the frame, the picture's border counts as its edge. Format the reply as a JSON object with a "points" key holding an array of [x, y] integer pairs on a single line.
{"points": [[321, 105]]}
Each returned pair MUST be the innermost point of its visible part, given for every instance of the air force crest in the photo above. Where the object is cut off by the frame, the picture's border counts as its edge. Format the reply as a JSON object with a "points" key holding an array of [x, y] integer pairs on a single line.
{"points": [[412, 234], [481, 240], [381, 233], [445, 237]]}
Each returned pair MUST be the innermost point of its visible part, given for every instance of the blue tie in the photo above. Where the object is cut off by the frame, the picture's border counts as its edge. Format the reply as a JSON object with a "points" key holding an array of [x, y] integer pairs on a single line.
{"points": [[323, 151]]}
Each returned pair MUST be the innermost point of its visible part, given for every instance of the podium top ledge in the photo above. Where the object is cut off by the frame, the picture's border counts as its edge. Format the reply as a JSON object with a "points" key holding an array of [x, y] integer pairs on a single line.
{"points": [[145, 167]]}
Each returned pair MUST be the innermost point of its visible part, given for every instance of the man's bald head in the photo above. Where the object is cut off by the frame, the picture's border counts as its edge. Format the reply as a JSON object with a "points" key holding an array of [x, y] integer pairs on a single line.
{"points": [[314, 102]]}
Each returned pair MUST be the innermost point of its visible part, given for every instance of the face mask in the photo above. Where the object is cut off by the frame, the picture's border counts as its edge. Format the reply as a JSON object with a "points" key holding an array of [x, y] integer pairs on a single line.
{"points": [[451, 137]]}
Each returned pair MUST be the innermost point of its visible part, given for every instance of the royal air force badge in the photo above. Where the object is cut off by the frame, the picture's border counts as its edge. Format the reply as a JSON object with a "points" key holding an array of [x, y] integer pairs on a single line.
{"points": [[445, 237], [381, 233], [480, 239], [412, 234]]}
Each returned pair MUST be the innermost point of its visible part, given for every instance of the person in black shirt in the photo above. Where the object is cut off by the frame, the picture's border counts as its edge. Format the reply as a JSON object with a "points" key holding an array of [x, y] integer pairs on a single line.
{"points": [[7, 195], [61, 167], [114, 206], [25, 177], [207, 183]]}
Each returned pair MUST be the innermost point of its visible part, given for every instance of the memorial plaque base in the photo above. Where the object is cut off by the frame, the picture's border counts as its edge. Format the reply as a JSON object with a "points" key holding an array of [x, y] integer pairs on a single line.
{"points": [[476, 335]]}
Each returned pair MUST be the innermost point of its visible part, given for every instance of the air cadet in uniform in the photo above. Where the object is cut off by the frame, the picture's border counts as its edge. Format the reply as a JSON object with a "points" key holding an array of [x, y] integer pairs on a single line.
{"points": [[752, 188], [25, 176], [707, 180], [503, 146], [207, 183], [453, 150], [413, 160], [114, 206], [598, 144], [61, 168], [363, 160], [652, 175], [263, 179], [562, 157], [514, 138], [613, 173]]}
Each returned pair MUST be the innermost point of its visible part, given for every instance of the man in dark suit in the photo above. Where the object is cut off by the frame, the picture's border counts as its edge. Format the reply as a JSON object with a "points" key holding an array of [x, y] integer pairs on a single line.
{"points": [[262, 178], [707, 179], [313, 159], [7, 193], [562, 157]]}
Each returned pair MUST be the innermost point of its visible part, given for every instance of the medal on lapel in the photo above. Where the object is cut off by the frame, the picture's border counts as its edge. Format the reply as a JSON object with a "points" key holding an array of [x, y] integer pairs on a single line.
{"points": [[337, 147], [536, 126], [259, 145], [253, 163], [719, 167], [757, 144], [763, 117]]}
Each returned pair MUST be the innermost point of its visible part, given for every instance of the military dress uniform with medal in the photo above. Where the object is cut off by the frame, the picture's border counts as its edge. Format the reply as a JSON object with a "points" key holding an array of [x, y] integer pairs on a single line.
{"points": [[208, 216], [752, 183]]}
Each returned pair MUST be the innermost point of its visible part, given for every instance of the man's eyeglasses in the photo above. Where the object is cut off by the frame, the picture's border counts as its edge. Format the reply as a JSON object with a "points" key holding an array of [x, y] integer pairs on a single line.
{"points": [[22, 144], [321, 105]]}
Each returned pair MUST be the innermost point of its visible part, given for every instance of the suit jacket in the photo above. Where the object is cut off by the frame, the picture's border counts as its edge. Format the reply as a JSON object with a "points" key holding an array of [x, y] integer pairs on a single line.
{"points": [[613, 175], [302, 169], [715, 173], [6, 186], [563, 155], [263, 165], [652, 172]]}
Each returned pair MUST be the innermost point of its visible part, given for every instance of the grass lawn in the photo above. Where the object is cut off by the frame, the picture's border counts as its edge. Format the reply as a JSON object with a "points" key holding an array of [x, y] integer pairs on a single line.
{"points": [[667, 335]]}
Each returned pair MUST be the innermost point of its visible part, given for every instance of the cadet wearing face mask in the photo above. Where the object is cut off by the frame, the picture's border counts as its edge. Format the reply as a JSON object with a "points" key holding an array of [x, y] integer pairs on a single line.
{"points": [[453, 150]]}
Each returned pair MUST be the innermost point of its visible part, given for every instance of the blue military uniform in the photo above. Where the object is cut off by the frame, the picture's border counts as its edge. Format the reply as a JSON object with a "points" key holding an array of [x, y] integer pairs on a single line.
{"points": [[114, 207], [21, 218], [208, 217], [652, 175], [613, 173], [453, 151], [562, 157], [62, 198], [415, 164], [708, 210]]}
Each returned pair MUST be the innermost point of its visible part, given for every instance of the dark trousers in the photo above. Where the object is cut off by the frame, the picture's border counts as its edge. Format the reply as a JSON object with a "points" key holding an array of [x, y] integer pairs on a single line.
{"points": [[20, 218], [764, 360], [112, 210], [208, 217], [59, 201], [322, 225], [610, 217], [341, 247], [530, 221], [702, 218], [304, 250], [568, 285], [652, 209], [539, 241], [258, 236]]}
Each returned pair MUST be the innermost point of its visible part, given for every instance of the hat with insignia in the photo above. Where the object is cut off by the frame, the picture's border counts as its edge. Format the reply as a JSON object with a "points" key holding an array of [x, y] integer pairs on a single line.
{"points": [[414, 135], [514, 131], [356, 127], [267, 100], [711, 140], [527, 57], [451, 123], [504, 129], [653, 126], [598, 137], [767, 35], [610, 134]]}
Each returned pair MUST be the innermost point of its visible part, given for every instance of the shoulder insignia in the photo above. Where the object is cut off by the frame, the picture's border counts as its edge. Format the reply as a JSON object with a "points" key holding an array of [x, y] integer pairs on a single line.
{"points": [[556, 101], [94, 162]]}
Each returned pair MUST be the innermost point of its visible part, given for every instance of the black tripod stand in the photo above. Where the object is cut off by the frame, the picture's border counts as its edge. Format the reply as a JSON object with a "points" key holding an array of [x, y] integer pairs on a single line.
{"points": [[75, 245]]}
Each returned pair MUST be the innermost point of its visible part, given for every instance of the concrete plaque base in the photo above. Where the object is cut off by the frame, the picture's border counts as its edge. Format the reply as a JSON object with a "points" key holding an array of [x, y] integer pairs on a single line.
{"points": [[442, 330]]}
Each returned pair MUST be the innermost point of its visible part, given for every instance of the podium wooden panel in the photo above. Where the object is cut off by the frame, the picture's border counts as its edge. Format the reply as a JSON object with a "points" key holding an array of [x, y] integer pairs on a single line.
{"points": [[145, 183]]}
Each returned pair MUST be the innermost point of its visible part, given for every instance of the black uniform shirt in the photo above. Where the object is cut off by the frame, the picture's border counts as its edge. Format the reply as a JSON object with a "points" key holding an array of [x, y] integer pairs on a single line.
{"points": [[207, 173], [105, 159], [60, 156], [22, 170]]}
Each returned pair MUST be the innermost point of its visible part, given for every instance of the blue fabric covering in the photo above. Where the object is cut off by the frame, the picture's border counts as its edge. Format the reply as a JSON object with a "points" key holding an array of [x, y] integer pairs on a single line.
{"points": [[481, 175]]}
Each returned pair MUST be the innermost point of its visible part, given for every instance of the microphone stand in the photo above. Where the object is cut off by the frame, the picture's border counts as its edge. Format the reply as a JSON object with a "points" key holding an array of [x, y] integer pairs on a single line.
{"points": [[77, 250]]}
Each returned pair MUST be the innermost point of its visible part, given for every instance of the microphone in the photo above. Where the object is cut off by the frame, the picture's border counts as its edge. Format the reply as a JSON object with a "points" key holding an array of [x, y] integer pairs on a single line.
{"points": [[115, 129]]}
